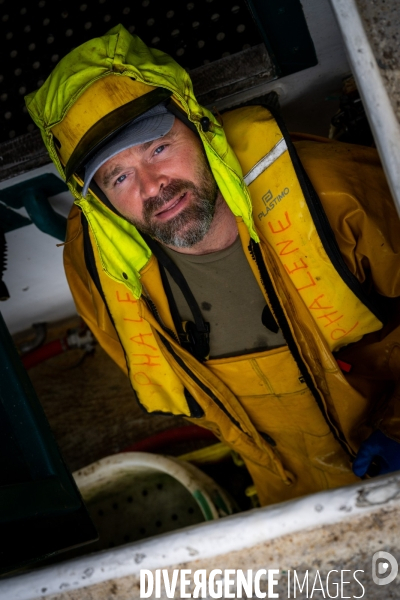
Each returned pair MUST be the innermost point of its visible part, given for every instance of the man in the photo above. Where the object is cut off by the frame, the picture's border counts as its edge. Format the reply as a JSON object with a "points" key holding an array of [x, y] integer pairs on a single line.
{"points": [[236, 284]]}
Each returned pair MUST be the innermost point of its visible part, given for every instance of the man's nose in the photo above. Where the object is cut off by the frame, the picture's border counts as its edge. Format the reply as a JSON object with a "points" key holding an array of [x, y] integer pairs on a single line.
{"points": [[151, 181]]}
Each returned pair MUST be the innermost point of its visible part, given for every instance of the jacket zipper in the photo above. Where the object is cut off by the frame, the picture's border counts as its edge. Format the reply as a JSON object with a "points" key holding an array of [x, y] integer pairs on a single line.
{"points": [[256, 255]]}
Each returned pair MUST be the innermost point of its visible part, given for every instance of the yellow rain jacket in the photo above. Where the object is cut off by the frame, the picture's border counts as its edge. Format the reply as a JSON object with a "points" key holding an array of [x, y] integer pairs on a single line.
{"points": [[322, 237]]}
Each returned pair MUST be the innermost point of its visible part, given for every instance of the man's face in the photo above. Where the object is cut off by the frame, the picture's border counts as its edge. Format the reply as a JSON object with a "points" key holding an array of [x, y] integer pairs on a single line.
{"points": [[165, 187]]}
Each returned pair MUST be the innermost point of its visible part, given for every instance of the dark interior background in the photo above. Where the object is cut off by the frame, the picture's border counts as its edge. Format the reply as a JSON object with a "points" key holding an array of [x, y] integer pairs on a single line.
{"points": [[37, 34]]}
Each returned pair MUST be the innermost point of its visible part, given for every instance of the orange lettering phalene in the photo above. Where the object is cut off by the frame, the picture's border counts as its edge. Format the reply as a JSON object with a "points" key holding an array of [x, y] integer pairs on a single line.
{"points": [[308, 285], [342, 332], [287, 244], [148, 362], [328, 318], [139, 339], [128, 298], [282, 227], [296, 267], [316, 305], [143, 379]]}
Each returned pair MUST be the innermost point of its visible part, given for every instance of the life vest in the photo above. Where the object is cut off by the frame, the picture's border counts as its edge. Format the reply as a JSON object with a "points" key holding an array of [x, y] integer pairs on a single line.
{"points": [[289, 216], [296, 262]]}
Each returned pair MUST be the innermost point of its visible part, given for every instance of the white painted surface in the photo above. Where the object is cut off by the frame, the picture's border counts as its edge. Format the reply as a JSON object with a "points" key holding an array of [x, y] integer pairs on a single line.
{"points": [[383, 121], [35, 274], [208, 540]]}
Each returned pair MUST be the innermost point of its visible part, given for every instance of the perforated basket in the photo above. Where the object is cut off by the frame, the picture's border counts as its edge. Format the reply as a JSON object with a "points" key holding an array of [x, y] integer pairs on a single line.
{"points": [[136, 495]]}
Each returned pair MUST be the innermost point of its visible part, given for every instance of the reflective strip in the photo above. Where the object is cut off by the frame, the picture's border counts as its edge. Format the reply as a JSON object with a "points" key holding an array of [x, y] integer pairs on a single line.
{"points": [[265, 162]]}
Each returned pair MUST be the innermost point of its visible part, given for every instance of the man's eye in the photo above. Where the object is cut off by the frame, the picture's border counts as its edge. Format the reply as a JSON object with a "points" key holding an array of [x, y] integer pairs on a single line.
{"points": [[120, 179], [159, 149]]}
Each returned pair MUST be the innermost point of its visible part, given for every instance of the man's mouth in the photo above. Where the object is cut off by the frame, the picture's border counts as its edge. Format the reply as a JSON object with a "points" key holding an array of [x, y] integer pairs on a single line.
{"points": [[171, 207]]}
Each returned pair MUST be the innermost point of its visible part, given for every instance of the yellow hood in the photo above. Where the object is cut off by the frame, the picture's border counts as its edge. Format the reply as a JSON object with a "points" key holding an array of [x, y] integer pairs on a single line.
{"points": [[120, 54]]}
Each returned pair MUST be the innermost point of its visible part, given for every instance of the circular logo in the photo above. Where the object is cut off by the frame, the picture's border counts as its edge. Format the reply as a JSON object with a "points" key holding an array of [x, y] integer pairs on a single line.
{"points": [[384, 568]]}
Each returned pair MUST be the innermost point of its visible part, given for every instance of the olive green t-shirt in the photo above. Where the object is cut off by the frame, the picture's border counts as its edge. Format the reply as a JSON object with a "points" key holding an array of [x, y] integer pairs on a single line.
{"points": [[229, 298]]}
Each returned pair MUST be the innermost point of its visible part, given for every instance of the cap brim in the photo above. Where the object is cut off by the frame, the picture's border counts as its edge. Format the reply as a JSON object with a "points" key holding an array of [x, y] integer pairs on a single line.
{"points": [[145, 130]]}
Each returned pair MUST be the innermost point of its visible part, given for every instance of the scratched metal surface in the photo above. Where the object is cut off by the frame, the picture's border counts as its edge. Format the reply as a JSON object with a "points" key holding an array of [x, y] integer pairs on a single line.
{"points": [[382, 25]]}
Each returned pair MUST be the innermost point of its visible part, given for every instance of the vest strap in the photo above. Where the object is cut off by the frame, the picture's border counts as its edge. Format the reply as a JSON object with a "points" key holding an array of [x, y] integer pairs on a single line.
{"points": [[194, 337]]}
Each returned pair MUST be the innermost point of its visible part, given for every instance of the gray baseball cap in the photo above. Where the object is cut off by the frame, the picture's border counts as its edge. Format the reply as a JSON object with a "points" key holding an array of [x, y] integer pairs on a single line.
{"points": [[151, 125]]}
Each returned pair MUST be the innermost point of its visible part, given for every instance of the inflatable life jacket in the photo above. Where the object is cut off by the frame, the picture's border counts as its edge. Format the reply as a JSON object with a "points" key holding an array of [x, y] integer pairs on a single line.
{"points": [[289, 216]]}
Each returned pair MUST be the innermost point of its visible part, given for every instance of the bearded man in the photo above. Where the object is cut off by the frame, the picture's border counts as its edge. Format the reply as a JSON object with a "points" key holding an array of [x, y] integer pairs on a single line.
{"points": [[243, 279]]}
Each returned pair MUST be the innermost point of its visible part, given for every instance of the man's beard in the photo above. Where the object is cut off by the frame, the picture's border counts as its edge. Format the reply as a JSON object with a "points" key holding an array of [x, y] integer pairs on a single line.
{"points": [[192, 223]]}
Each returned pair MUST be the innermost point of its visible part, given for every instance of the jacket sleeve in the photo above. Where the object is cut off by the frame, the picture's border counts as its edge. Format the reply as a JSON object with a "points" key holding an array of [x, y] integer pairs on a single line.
{"points": [[352, 187], [89, 304]]}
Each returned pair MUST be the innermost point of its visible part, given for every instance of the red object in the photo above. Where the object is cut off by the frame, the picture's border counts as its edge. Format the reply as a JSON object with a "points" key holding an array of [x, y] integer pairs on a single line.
{"points": [[44, 352], [170, 436], [344, 366]]}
